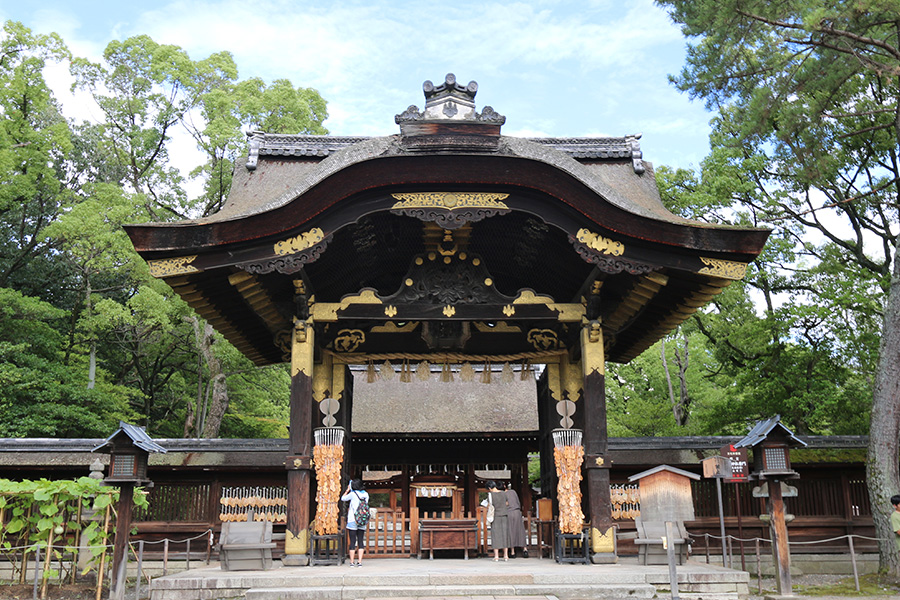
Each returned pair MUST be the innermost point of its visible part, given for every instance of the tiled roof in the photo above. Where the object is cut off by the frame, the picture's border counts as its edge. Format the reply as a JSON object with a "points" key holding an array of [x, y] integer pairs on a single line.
{"points": [[321, 146]]}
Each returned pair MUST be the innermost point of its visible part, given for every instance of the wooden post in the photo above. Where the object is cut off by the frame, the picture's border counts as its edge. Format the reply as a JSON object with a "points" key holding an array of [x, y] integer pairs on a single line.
{"points": [[123, 528], [780, 551], [670, 553], [298, 462], [596, 459]]}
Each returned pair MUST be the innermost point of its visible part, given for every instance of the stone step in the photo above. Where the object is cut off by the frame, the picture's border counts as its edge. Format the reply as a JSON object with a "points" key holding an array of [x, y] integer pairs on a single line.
{"points": [[519, 591]]}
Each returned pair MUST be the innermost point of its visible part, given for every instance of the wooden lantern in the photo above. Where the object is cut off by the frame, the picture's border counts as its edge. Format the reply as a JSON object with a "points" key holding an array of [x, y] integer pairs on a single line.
{"points": [[129, 448], [771, 442]]}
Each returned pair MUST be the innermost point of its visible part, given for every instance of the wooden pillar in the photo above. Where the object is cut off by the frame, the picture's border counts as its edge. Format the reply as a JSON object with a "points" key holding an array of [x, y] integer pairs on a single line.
{"points": [[596, 456], [298, 462], [120, 545], [780, 552]]}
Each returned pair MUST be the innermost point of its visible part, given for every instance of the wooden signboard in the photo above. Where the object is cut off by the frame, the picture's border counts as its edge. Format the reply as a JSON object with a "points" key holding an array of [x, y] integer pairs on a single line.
{"points": [[740, 466]]}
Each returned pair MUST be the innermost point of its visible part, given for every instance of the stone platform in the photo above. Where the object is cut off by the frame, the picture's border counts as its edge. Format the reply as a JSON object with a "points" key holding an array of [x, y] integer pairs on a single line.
{"points": [[482, 578]]}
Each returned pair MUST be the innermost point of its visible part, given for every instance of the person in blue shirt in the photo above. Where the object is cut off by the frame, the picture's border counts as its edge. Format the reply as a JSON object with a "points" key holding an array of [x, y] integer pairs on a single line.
{"points": [[355, 494]]}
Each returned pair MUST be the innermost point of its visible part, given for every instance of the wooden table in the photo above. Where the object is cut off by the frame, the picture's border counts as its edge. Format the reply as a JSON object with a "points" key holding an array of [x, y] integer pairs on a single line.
{"points": [[447, 534]]}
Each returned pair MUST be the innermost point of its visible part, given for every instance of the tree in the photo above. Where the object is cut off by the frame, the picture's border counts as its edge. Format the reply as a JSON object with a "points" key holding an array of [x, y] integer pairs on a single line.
{"points": [[33, 138], [807, 91]]}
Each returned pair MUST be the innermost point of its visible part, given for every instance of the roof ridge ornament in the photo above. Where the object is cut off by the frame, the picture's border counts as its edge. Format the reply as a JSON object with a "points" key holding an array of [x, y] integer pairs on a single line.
{"points": [[450, 101]]}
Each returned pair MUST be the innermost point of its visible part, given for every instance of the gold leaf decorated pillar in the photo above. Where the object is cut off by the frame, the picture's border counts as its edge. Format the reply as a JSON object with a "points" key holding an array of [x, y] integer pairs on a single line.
{"points": [[596, 460], [298, 461]]}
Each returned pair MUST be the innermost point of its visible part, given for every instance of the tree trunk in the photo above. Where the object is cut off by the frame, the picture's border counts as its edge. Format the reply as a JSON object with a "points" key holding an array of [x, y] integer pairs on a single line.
{"points": [[208, 417], [92, 359], [883, 460], [218, 404]]}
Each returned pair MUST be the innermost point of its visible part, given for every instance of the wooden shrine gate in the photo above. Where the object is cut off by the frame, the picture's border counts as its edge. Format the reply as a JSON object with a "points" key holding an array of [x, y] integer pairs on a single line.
{"points": [[450, 244]]}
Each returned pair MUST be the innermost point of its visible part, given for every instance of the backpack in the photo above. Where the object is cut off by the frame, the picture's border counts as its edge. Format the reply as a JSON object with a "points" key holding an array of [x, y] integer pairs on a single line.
{"points": [[361, 516]]}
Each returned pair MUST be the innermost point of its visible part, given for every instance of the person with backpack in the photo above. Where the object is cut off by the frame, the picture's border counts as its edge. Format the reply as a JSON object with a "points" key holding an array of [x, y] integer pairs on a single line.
{"points": [[357, 519]]}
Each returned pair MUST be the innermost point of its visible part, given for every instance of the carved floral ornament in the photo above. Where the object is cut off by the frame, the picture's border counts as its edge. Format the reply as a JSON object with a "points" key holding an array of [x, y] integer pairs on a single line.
{"points": [[450, 200], [600, 244], [300, 242], [167, 267], [725, 269], [450, 210]]}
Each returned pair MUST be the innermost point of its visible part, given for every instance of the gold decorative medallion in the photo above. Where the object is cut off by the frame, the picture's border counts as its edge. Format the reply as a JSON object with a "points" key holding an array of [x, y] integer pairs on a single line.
{"points": [[597, 242], [726, 269], [449, 311], [300, 242], [348, 340], [166, 267], [390, 311], [508, 310], [450, 200]]}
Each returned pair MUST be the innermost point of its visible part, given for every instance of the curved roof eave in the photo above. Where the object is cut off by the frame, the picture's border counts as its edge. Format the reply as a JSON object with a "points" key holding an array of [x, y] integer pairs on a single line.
{"points": [[174, 237]]}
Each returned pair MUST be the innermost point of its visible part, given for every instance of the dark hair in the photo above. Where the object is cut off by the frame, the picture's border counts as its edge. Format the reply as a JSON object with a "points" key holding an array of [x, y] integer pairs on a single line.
{"points": [[895, 500], [356, 485], [491, 484]]}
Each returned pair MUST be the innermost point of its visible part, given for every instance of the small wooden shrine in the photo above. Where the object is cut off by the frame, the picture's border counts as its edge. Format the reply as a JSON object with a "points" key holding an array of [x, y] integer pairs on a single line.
{"points": [[448, 249]]}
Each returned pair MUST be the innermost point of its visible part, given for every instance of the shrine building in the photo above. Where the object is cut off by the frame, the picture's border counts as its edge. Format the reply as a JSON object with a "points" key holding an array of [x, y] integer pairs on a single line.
{"points": [[446, 251]]}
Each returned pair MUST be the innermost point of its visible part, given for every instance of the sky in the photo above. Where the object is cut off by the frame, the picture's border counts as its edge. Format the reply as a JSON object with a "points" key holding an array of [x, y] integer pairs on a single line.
{"points": [[553, 68]]}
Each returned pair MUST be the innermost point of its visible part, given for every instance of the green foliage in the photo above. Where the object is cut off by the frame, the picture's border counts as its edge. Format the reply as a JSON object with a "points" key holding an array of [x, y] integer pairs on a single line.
{"points": [[46, 513]]}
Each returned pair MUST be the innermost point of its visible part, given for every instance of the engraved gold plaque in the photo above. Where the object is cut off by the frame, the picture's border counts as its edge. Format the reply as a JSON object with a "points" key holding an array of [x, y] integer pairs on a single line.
{"points": [[597, 242], [300, 242], [167, 267], [725, 269], [450, 200]]}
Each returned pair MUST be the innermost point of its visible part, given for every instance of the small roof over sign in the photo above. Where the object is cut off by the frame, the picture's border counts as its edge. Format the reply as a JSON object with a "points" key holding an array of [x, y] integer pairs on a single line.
{"points": [[761, 431], [138, 437], [661, 468]]}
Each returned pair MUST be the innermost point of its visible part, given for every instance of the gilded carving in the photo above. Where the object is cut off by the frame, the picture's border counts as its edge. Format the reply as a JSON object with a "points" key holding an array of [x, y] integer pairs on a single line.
{"points": [[300, 242], [390, 311], [449, 311], [726, 269], [508, 310], [572, 378], [450, 210], [543, 339], [302, 348], [327, 311], [167, 267], [567, 312], [498, 327], [592, 355], [529, 297], [391, 327], [450, 200], [348, 340], [600, 244]]}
